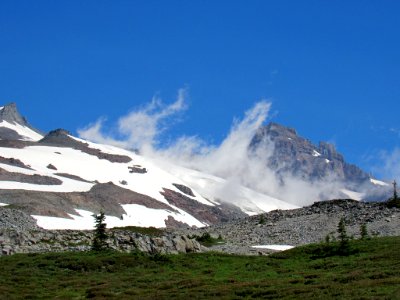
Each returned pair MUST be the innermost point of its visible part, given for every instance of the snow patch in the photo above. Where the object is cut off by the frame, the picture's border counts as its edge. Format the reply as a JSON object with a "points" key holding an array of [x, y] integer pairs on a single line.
{"points": [[26, 133], [4, 204], [327, 161], [274, 247], [316, 153], [89, 167], [378, 182], [136, 215]]}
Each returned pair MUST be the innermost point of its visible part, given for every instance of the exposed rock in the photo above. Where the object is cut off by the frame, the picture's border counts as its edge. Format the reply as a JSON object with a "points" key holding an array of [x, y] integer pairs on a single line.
{"points": [[10, 114], [302, 226], [62, 138], [14, 241], [14, 162], [184, 189], [13, 218], [17, 144], [298, 156], [137, 169], [34, 179], [74, 177], [105, 196], [205, 213], [172, 223], [51, 167]]}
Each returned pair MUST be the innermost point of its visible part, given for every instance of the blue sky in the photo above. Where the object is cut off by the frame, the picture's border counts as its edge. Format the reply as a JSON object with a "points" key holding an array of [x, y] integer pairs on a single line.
{"points": [[330, 68]]}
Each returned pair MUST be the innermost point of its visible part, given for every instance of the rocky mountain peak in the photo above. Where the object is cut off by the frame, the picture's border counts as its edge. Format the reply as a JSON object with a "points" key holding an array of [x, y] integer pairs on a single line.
{"points": [[298, 156], [10, 113], [60, 137], [277, 129], [15, 127], [58, 132]]}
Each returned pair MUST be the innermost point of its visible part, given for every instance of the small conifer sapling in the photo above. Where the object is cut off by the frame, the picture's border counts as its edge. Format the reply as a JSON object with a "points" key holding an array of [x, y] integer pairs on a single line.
{"points": [[100, 234]]}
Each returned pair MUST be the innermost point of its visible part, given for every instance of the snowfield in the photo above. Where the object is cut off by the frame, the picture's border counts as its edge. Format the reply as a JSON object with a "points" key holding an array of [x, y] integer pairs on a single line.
{"points": [[274, 247], [136, 215], [26, 133], [378, 182]]}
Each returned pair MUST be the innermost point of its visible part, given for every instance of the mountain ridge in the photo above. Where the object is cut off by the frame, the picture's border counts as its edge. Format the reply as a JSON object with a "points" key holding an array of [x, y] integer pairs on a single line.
{"points": [[66, 170]]}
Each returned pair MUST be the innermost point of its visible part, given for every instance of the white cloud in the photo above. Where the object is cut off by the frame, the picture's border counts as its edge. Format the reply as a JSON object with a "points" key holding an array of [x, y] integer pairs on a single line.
{"points": [[231, 159], [140, 128], [390, 164]]}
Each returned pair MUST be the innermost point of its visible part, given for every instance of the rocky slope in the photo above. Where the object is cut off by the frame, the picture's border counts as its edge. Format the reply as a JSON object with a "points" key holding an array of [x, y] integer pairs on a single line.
{"points": [[13, 241], [20, 234], [303, 226]]}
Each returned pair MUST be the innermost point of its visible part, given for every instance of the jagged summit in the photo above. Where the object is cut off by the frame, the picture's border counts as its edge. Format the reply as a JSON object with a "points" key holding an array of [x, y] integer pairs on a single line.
{"points": [[297, 156], [13, 126], [58, 132], [10, 114], [62, 138]]}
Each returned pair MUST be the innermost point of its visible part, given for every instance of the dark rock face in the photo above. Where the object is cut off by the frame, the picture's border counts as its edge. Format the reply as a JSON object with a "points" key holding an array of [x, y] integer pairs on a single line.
{"points": [[299, 157], [62, 138], [9, 134], [106, 196], [34, 179], [184, 189], [73, 177], [137, 169], [51, 167], [10, 114], [14, 162], [38, 241], [204, 213]]}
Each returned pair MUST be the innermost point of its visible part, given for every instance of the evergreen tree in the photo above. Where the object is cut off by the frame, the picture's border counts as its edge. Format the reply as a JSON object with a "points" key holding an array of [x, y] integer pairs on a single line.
{"points": [[100, 235], [344, 245], [364, 232], [395, 200], [394, 190], [261, 220]]}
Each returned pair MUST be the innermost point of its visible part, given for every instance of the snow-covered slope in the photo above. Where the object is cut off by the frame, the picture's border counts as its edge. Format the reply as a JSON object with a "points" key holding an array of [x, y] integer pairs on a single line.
{"points": [[62, 181], [26, 133], [218, 189], [85, 171]]}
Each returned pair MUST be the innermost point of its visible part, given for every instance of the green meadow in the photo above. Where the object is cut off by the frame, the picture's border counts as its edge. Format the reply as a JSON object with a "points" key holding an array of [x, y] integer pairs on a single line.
{"points": [[371, 270]]}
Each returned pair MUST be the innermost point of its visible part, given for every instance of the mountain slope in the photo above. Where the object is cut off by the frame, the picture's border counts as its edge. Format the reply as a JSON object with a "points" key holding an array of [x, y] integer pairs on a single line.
{"points": [[62, 180]]}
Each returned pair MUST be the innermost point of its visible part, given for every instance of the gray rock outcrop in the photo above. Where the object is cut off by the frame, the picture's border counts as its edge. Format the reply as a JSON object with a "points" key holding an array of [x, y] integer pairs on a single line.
{"points": [[297, 156], [39, 241]]}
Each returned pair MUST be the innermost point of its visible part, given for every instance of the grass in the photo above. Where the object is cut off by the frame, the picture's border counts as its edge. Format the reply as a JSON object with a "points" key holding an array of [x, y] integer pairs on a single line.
{"points": [[371, 272]]}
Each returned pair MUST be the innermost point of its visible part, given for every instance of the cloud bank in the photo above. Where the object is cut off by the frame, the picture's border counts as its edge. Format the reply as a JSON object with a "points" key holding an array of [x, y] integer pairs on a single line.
{"points": [[390, 168], [141, 129]]}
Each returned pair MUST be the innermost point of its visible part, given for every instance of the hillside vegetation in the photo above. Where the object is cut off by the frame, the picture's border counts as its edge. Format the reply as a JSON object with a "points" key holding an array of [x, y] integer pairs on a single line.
{"points": [[371, 271]]}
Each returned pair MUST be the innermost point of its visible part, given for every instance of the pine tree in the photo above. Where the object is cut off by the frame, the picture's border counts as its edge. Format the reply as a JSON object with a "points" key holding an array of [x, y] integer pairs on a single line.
{"points": [[394, 190], [344, 245], [395, 200], [364, 232], [100, 235]]}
